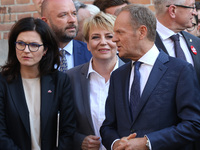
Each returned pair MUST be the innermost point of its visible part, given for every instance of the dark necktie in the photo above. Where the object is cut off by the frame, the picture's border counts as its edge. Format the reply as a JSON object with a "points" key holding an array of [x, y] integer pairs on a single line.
{"points": [[63, 63], [135, 88], [178, 50]]}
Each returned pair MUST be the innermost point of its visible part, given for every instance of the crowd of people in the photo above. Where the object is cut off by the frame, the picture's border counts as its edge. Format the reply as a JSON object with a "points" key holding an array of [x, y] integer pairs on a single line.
{"points": [[108, 75]]}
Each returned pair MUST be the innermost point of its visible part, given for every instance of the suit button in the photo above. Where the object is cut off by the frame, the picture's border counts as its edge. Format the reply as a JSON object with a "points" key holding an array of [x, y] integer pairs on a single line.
{"points": [[132, 130]]}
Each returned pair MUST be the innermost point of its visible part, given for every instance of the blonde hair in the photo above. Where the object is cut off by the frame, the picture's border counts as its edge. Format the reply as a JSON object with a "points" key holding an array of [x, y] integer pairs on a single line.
{"points": [[102, 20]]}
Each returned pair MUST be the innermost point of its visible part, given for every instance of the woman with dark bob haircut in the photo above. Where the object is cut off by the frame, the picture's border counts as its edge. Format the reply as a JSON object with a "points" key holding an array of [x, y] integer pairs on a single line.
{"points": [[36, 106]]}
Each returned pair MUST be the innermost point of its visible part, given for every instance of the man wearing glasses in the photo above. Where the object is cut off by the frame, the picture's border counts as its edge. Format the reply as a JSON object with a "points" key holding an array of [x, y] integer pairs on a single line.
{"points": [[173, 17]]}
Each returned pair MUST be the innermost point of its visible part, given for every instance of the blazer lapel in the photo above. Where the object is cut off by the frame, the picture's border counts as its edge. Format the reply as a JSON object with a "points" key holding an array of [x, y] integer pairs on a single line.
{"points": [[120, 62], [125, 79], [159, 43], [190, 43], [47, 96], [156, 74], [86, 94], [18, 97], [79, 57]]}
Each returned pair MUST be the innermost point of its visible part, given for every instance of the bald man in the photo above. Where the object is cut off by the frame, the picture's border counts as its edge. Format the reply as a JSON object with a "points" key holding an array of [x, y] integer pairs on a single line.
{"points": [[61, 16]]}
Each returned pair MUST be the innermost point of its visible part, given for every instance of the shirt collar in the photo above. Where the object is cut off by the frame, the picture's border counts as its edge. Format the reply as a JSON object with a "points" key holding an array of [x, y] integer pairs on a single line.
{"points": [[69, 47], [164, 32], [91, 70], [150, 57]]}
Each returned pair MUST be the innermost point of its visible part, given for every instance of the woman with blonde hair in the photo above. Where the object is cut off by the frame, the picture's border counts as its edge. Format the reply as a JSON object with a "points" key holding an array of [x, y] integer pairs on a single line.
{"points": [[90, 81]]}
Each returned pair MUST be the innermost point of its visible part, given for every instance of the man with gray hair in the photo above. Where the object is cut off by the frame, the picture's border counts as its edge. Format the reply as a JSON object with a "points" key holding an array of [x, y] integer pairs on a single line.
{"points": [[84, 11], [173, 17], [154, 100]]}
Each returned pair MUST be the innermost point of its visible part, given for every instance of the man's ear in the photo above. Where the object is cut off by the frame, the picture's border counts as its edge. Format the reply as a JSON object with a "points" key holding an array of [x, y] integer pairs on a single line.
{"points": [[143, 31], [44, 19], [172, 11]]}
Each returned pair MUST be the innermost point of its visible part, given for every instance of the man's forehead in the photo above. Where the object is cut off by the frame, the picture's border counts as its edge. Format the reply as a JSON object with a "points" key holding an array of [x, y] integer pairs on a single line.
{"points": [[122, 16], [64, 3]]}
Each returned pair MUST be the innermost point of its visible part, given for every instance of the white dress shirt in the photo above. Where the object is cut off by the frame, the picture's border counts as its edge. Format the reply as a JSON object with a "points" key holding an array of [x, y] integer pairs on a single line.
{"points": [[148, 61], [98, 94], [70, 55], [165, 34], [33, 100]]}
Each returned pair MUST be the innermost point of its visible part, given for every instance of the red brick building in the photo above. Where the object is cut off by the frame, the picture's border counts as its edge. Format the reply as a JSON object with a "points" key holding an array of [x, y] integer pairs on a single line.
{"points": [[13, 10]]}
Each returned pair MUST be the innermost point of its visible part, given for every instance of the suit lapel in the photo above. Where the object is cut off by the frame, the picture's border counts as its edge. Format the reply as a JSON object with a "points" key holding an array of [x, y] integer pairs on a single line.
{"points": [[86, 94], [159, 43], [156, 74], [120, 62], [18, 97], [47, 96], [190, 43], [78, 53], [125, 79]]}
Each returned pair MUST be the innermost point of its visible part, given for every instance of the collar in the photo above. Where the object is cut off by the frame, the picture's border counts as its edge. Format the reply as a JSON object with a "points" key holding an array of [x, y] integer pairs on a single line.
{"points": [[150, 57], [69, 48], [164, 32], [91, 70]]}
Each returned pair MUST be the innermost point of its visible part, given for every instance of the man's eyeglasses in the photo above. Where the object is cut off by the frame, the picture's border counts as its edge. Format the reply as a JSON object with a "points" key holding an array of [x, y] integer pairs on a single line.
{"points": [[183, 6], [33, 47]]}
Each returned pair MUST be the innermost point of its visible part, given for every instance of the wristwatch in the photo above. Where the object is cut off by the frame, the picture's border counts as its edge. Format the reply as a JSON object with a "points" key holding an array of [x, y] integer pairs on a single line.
{"points": [[148, 144]]}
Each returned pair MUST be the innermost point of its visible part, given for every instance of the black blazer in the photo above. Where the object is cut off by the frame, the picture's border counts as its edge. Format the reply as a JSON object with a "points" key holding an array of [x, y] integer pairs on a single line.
{"points": [[14, 115], [191, 40], [81, 92]]}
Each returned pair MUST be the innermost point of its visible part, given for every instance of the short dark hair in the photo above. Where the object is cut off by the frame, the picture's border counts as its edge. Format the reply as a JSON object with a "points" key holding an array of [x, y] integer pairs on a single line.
{"points": [[47, 64], [104, 4]]}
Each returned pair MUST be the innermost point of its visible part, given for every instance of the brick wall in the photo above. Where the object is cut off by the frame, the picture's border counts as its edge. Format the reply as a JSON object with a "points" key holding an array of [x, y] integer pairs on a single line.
{"points": [[12, 10]]}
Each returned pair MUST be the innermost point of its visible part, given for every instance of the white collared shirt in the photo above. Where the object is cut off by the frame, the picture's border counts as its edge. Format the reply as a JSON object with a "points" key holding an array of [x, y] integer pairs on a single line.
{"points": [[148, 61], [98, 95], [70, 55], [165, 34]]}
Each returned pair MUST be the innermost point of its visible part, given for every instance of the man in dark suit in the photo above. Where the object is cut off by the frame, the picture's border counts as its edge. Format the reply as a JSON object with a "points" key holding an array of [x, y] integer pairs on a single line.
{"points": [[162, 112], [174, 18], [61, 16]]}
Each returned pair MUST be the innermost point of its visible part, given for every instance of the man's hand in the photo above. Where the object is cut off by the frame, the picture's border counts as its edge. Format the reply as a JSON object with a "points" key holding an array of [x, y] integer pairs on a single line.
{"points": [[121, 144], [91, 142], [136, 144]]}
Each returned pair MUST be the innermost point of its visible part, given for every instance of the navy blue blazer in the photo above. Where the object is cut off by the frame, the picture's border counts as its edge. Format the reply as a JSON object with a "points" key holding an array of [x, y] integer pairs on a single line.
{"points": [[191, 40], [81, 53], [168, 111], [15, 131], [81, 93]]}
